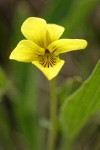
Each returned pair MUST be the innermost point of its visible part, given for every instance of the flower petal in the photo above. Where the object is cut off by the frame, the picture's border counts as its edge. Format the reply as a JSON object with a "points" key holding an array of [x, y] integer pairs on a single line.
{"points": [[26, 51], [34, 29], [66, 45], [54, 32], [50, 72]]}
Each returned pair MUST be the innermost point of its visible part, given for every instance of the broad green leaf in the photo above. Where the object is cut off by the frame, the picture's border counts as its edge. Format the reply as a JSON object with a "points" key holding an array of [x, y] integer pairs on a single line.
{"points": [[82, 105]]}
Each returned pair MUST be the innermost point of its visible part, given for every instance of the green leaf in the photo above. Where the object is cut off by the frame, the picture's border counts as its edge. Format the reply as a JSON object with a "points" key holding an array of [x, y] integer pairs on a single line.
{"points": [[82, 105]]}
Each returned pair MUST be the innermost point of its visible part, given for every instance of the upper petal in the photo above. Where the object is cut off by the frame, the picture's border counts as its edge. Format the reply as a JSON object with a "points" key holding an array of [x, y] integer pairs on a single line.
{"points": [[50, 72], [54, 32], [34, 29], [66, 45], [26, 51]]}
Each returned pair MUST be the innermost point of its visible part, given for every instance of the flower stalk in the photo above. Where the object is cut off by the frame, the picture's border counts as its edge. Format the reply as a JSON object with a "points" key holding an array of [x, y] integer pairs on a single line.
{"points": [[53, 117]]}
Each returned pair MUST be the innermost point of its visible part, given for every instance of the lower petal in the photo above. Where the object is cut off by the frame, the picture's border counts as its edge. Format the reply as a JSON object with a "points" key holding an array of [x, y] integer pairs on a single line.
{"points": [[50, 72], [26, 51]]}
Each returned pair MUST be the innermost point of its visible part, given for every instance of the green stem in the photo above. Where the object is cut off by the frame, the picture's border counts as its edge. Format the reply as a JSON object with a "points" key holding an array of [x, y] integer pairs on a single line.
{"points": [[53, 117]]}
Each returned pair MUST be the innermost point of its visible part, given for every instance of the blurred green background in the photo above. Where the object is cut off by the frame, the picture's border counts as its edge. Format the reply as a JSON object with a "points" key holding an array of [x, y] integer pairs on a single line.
{"points": [[24, 91]]}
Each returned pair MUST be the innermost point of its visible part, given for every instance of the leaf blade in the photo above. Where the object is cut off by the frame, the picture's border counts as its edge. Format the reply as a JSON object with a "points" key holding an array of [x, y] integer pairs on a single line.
{"points": [[83, 104]]}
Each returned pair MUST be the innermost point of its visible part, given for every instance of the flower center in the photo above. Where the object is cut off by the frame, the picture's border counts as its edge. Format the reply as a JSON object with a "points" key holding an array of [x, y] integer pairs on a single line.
{"points": [[48, 59]]}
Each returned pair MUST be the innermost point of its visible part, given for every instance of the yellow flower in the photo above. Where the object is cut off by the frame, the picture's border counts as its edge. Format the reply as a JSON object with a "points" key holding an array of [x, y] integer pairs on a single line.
{"points": [[43, 46]]}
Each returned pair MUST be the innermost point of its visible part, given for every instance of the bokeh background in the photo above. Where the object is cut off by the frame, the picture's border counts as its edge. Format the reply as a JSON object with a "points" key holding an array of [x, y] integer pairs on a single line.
{"points": [[24, 91]]}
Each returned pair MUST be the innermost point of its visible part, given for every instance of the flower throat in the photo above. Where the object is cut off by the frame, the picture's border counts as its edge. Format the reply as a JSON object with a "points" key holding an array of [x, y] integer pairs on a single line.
{"points": [[48, 59]]}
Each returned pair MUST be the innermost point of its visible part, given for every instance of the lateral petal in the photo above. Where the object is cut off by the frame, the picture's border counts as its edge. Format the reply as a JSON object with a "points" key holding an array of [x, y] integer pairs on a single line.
{"points": [[50, 72], [34, 29], [66, 45], [26, 51]]}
